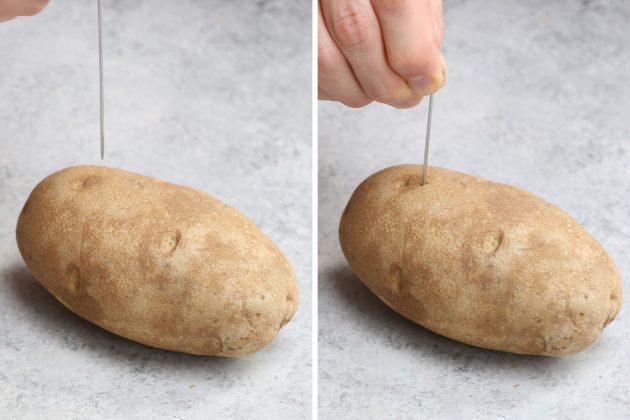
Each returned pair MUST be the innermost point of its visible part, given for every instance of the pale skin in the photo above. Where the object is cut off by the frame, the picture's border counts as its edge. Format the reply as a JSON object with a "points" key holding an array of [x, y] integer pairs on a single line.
{"points": [[385, 51], [10, 9]]}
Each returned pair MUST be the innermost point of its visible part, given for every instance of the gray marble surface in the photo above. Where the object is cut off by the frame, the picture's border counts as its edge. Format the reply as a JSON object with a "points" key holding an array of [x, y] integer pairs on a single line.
{"points": [[538, 97], [211, 94]]}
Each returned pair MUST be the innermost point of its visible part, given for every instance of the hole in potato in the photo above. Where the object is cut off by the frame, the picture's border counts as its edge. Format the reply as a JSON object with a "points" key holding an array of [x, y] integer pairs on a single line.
{"points": [[493, 242], [608, 321], [91, 181], [395, 278], [409, 182], [170, 242], [74, 278], [84, 182]]}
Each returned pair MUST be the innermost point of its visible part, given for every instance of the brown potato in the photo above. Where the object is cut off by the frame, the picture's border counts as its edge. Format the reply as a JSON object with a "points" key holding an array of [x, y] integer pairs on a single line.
{"points": [[483, 263], [161, 264]]}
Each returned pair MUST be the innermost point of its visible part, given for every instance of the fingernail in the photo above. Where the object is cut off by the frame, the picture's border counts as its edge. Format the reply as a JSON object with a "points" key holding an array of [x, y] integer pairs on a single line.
{"points": [[422, 85], [444, 69]]}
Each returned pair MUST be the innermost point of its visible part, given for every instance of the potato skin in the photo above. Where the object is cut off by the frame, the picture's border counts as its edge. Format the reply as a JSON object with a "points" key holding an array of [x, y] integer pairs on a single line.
{"points": [[158, 263], [487, 264]]}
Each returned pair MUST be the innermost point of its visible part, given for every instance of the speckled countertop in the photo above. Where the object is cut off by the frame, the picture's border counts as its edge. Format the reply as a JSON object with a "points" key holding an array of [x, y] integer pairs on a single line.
{"points": [[211, 94], [538, 97]]}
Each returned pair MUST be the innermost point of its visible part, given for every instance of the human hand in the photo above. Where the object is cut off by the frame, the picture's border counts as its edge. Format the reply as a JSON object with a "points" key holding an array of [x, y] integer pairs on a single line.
{"points": [[380, 50], [10, 9]]}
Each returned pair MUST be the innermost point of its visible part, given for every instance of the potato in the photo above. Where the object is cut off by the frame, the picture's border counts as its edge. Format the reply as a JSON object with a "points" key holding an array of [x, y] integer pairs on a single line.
{"points": [[157, 263], [483, 263]]}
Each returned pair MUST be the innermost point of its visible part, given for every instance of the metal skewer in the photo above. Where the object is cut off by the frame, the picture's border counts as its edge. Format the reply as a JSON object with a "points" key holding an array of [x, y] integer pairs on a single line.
{"points": [[426, 143], [100, 70]]}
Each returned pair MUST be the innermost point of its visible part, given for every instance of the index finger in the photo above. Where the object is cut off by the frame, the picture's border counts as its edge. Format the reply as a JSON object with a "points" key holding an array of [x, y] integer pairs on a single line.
{"points": [[13, 8]]}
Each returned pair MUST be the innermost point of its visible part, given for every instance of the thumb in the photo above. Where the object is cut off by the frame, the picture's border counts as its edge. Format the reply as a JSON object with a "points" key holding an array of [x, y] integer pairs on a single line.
{"points": [[438, 21], [438, 31]]}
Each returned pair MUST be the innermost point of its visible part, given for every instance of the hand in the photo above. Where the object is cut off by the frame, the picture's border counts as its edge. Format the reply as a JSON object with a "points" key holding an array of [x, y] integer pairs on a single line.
{"points": [[380, 50], [10, 9]]}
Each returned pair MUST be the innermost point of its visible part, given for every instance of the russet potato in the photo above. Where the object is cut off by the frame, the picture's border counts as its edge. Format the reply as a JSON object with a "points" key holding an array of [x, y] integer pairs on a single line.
{"points": [[160, 264], [483, 263]]}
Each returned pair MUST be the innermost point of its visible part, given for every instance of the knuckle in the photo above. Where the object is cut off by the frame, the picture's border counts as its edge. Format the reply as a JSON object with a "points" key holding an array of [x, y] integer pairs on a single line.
{"points": [[352, 26], [390, 6], [406, 63], [412, 63]]}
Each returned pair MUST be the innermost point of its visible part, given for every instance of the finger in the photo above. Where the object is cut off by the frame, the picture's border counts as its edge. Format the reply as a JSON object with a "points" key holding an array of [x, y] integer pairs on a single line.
{"points": [[438, 20], [335, 76], [354, 27], [13, 8], [413, 48]]}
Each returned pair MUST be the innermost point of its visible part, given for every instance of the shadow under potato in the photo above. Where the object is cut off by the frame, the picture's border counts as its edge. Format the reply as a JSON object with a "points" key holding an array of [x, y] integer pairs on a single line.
{"points": [[399, 333], [48, 317]]}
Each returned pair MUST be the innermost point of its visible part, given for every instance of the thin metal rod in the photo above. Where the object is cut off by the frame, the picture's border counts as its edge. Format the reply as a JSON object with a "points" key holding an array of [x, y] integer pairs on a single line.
{"points": [[426, 142], [100, 71]]}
